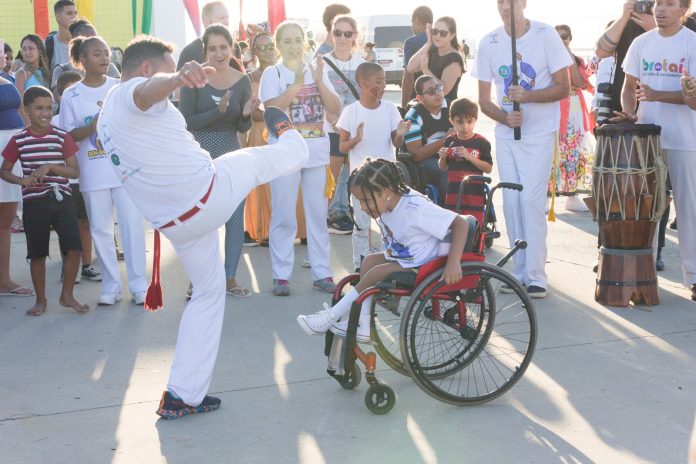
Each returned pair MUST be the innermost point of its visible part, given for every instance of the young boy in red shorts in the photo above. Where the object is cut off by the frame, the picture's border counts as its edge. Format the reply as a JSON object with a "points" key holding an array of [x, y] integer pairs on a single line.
{"points": [[47, 157]]}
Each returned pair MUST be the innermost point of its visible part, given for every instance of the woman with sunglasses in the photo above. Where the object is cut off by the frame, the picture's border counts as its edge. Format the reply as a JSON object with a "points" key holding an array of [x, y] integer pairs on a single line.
{"points": [[575, 140], [306, 94], [214, 114], [440, 56], [345, 61]]}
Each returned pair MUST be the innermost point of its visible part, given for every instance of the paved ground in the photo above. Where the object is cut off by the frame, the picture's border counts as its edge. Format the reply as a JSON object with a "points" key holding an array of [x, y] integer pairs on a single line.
{"points": [[606, 385]]}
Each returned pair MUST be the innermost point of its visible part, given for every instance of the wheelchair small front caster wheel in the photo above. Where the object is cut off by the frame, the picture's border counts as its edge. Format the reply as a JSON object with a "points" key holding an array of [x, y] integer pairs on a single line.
{"points": [[380, 399], [350, 380]]}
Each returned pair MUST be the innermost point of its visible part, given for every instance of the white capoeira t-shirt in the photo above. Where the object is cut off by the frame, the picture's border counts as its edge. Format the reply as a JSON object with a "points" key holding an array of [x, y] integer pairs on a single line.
{"points": [[412, 232], [306, 110], [658, 62], [378, 125], [540, 54], [161, 166], [78, 108]]}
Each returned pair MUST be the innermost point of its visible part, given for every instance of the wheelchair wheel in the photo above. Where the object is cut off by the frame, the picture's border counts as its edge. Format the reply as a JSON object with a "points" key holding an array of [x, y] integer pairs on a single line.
{"points": [[480, 359], [350, 380], [380, 399], [386, 328]]}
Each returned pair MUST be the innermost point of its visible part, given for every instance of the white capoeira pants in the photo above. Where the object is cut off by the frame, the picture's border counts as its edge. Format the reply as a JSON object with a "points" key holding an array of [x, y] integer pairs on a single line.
{"points": [[197, 244], [100, 206], [283, 228], [682, 175], [527, 162]]}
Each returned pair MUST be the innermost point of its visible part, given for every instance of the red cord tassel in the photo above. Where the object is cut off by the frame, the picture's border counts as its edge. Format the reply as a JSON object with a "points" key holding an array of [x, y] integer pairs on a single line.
{"points": [[153, 298]]}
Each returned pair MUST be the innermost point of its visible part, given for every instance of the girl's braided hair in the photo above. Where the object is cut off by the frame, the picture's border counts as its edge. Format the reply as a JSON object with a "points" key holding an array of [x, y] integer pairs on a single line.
{"points": [[374, 176]]}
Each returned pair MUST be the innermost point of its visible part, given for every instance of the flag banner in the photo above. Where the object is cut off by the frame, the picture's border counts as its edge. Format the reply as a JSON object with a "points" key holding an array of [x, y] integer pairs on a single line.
{"points": [[41, 21], [194, 13], [146, 24], [276, 13], [85, 9]]}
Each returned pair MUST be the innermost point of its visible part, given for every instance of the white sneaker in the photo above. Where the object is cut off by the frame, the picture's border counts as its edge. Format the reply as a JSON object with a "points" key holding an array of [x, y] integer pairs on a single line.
{"points": [[317, 323], [108, 299], [340, 328], [305, 262], [139, 298], [576, 205]]}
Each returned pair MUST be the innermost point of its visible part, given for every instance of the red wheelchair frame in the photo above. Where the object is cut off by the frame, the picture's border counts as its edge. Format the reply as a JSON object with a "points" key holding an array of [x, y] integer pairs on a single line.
{"points": [[469, 332]]}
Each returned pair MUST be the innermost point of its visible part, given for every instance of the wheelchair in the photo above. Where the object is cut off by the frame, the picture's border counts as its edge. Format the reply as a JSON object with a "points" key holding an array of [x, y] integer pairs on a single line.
{"points": [[408, 168], [463, 344]]}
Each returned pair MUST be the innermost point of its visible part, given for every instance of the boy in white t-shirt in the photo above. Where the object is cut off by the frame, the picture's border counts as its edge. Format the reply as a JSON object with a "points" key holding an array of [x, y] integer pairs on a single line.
{"points": [[542, 61], [369, 128], [654, 66]]}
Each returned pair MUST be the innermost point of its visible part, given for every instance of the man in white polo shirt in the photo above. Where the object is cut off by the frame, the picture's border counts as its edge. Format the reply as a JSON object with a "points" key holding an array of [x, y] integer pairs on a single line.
{"points": [[542, 63], [187, 196], [654, 66]]}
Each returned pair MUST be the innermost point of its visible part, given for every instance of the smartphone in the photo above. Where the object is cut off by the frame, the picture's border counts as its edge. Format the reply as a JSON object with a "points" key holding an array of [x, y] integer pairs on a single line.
{"points": [[643, 6]]}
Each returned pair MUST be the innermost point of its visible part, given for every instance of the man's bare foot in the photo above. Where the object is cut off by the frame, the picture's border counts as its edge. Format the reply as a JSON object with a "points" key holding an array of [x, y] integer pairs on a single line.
{"points": [[71, 302], [37, 310]]}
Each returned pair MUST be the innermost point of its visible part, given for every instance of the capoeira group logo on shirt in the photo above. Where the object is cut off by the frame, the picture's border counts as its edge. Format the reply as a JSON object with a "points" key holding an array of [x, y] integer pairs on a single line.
{"points": [[99, 152], [394, 249], [307, 112], [663, 68], [526, 73]]}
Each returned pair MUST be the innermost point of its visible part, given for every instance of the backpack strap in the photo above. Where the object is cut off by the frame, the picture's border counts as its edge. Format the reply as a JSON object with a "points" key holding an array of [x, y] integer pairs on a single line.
{"points": [[350, 85]]}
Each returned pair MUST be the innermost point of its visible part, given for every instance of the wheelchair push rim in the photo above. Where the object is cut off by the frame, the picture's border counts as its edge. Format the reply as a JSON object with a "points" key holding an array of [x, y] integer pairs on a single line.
{"points": [[466, 367]]}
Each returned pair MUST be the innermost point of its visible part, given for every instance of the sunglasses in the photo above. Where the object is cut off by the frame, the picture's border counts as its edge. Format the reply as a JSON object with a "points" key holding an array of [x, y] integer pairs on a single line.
{"points": [[441, 32], [269, 47], [346, 34], [432, 91]]}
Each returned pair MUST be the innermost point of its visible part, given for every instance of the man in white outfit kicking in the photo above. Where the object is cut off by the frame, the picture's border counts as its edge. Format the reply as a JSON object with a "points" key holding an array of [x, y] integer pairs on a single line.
{"points": [[187, 196]]}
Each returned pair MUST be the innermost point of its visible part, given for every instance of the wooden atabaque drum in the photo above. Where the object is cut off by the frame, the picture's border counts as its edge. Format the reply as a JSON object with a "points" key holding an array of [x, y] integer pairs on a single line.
{"points": [[628, 192]]}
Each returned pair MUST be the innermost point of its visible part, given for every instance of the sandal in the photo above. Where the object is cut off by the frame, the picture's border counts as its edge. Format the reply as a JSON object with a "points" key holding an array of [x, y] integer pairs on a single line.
{"points": [[239, 292], [19, 228]]}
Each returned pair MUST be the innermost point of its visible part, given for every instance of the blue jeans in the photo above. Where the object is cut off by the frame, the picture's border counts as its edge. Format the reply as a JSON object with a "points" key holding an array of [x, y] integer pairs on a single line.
{"points": [[339, 203]]}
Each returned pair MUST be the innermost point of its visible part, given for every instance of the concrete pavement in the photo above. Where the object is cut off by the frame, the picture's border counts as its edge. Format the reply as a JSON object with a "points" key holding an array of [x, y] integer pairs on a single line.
{"points": [[606, 384]]}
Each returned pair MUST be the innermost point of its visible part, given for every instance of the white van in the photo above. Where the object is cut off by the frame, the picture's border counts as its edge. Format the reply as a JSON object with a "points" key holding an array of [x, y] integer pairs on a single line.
{"points": [[388, 33]]}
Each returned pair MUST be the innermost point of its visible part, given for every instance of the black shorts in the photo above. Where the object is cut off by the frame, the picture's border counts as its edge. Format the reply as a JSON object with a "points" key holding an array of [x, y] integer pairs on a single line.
{"points": [[42, 214], [78, 201], [334, 141]]}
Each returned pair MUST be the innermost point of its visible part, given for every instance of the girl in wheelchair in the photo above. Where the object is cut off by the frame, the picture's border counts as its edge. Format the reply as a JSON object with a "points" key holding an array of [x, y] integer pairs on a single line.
{"points": [[414, 231]]}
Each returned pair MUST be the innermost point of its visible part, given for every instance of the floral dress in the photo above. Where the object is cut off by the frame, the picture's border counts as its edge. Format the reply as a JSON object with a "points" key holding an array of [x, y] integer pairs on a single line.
{"points": [[576, 142]]}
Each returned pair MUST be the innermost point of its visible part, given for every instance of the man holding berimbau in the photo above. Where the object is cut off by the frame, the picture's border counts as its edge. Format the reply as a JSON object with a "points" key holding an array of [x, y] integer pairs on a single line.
{"points": [[542, 62]]}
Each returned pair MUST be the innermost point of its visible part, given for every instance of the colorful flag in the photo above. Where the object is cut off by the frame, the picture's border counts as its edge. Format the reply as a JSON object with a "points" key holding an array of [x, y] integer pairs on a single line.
{"points": [[85, 8], [242, 29], [276, 13], [147, 17], [194, 13], [41, 21]]}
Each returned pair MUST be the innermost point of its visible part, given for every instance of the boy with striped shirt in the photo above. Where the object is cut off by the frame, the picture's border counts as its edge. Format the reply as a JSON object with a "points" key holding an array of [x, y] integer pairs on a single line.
{"points": [[47, 157]]}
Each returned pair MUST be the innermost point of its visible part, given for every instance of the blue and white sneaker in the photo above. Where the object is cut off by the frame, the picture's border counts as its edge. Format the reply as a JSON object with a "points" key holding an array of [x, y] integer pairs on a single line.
{"points": [[171, 407]]}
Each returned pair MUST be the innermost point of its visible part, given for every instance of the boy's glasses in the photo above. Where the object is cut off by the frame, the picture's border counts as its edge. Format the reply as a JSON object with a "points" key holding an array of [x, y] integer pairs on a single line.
{"points": [[432, 91], [441, 32], [269, 47], [346, 34]]}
